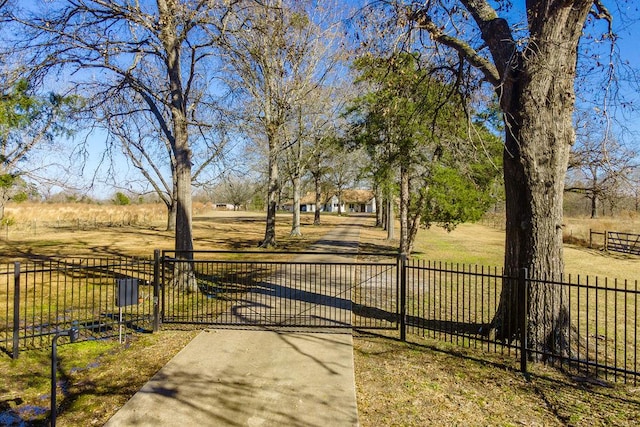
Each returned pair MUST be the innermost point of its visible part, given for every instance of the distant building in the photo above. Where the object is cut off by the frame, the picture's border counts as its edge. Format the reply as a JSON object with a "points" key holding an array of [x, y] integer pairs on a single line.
{"points": [[224, 206], [352, 201]]}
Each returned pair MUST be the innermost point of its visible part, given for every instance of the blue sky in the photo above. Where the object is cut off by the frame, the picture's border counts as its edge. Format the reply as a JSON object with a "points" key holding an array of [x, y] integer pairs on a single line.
{"points": [[626, 26]]}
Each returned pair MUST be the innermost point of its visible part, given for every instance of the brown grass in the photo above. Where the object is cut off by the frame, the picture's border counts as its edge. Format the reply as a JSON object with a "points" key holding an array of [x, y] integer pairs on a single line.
{"points": [[433, 383], [419, 383], [212, 230]]}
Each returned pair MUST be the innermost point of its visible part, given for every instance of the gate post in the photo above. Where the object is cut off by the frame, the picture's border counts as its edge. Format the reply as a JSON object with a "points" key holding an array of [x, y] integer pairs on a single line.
{"points": [[16, 310], [523, 280], [403, 297], [156, 290]]}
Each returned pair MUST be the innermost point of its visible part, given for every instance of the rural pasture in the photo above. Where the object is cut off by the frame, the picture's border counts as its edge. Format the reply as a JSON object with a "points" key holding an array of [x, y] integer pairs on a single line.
{"points": [[422, 382]]}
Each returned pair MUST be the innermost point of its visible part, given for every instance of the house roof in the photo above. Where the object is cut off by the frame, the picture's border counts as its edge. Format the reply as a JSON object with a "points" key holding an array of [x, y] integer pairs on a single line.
{"points": [[348, 196], [357, 196]]}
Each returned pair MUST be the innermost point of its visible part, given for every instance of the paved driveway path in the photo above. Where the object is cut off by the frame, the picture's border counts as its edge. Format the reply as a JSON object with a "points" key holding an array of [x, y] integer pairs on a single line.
{"points": [[256, 377]]}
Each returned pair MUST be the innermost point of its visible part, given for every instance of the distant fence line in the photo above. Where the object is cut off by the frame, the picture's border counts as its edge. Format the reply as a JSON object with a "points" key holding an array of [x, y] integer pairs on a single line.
{"points": [[449, 302], [617, 241], [35, 227]]}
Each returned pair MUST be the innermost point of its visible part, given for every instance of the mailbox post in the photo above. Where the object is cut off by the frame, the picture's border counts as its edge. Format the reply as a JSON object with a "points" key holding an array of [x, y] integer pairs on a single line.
{"points": [[126, 294]]}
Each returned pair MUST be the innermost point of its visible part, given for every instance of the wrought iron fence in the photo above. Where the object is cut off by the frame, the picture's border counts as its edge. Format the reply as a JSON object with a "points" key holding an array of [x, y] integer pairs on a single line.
{"points": [[457, 303], [595, 332], [41, 298], [285, 289]]}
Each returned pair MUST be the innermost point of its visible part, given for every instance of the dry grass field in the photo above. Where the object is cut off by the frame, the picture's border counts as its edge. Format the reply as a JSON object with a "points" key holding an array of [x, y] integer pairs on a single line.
{"points": [[420, 383], [78, 230], [483, 244]]}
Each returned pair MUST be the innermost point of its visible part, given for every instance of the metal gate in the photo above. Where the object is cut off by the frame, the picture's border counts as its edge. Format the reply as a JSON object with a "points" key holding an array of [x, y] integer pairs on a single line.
{"points": [[280, 289]]}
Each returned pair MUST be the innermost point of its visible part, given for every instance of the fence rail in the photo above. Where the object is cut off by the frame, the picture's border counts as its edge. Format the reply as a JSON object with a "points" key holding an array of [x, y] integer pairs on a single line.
{"points": [[462, 304], [617, 241]]}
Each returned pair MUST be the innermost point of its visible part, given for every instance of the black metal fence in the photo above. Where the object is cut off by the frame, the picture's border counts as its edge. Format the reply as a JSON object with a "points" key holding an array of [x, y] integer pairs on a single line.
{"points": [[599, 319], [457, 303], [40, 298], [284, 289]]}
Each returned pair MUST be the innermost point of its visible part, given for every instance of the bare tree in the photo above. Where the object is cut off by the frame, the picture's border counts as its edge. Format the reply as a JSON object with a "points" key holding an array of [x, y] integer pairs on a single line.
{"points": [[598, 166], [236, 190], [156, 52], [277, 55], [319, 117], [147, 148]]}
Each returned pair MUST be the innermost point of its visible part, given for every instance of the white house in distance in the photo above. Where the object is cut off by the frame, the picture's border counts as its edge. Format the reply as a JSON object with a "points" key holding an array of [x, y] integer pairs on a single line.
{"points": [[352, 201]]}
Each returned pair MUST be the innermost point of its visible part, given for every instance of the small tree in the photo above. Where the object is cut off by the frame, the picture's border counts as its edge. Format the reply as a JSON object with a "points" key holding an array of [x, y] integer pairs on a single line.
{"points": [[419, 123], [27, 122]]}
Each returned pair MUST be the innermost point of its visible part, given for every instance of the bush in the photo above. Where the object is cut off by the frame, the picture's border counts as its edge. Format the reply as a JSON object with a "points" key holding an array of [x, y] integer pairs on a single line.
{"points": [[121, 199]]}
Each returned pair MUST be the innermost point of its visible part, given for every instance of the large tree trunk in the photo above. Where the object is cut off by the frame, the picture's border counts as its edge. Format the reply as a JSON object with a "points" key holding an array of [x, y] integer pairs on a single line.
{"points": [[171, 216], [272, 200], [537, 101]]}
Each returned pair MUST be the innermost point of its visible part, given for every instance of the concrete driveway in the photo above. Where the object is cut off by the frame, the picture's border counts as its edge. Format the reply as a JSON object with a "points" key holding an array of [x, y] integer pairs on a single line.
{"points": [[256, 377]]}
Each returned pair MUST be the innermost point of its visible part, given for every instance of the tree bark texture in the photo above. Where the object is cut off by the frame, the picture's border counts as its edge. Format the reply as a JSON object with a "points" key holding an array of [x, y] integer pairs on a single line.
{"points": [[537, 98], [390, 220], [404, 210], [295, 222], [316, 214]]}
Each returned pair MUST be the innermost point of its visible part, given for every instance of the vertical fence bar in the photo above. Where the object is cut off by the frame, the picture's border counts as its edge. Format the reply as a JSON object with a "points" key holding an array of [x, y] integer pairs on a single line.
{"points": [[156, 290], [16, 310], [523, 279], [403, 296]]}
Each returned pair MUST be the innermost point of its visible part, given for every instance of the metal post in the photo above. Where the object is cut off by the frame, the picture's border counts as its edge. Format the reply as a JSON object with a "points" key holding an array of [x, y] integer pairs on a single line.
{"points": [[523, 279], [120, 324], [156, 290], [403, 297], [73, 334], [16, 310]]}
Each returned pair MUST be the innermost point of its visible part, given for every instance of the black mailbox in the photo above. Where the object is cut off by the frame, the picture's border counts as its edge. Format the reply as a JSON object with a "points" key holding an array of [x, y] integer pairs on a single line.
{"points": [[126, 292]]}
